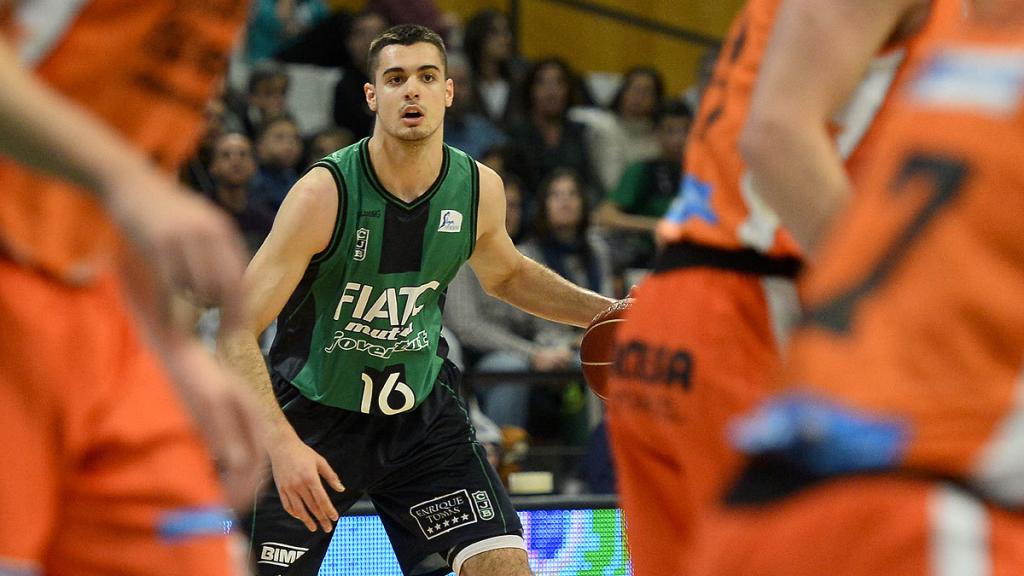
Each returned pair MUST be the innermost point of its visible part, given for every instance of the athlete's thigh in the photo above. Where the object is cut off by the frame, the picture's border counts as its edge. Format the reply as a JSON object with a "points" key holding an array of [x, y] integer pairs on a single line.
{"points": [[696, 351], [845, 527], [503, 562], [447, 503], [29, 420], [142, 495], [659, 519]]}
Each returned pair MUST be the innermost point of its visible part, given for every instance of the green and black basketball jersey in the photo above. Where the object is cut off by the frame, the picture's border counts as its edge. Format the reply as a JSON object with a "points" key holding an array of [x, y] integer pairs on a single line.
{"points": [[362, 330]]}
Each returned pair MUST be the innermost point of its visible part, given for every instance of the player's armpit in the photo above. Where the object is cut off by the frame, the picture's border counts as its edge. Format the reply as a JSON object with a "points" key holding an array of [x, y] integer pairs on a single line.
{"points": [[304, 227], [495, 258]]}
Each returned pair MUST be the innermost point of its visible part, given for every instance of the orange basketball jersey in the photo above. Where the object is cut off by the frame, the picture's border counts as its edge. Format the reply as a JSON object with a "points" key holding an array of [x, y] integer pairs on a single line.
{"points": [[916, 310], [717, 204], [144, 68]]}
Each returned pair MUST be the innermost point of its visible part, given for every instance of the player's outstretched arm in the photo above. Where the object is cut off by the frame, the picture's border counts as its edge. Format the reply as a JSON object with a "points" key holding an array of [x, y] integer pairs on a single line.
{"points": [[177, 241], [183, 238], [505, 273], [817, 55], [302, 228]]}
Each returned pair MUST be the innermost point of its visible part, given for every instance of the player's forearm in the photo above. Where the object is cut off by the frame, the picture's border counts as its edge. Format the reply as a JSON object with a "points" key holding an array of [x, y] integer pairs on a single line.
{"points": [[541, 292], [46, 131], [797, 170], [241, 350]]}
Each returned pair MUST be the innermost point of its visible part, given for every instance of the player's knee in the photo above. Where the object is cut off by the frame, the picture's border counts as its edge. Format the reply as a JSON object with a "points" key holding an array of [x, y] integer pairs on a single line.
{"points": [[500, 562]]}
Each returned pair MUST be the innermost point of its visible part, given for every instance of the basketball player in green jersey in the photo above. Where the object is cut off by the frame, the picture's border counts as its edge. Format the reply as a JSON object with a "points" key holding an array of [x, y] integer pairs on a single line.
{"points": [[359, 397]]}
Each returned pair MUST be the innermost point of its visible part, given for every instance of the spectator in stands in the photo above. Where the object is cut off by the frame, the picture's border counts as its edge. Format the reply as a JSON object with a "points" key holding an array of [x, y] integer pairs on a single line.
{"points": [[502, 337], [350, 109], [562, 240], [546, 139], [635, 106], [495, 159], [464, 126], [624, 133], [497, 70], [278, 151], [233, 168], [274, 24], [195, 173], [422, 12], [266, 97], [325, 142], [631, 211]]}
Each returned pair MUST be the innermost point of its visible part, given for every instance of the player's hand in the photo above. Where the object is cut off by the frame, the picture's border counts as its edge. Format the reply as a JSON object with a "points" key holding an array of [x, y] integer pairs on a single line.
{"points": [[192, 246], [226, 414], [297, 471]]}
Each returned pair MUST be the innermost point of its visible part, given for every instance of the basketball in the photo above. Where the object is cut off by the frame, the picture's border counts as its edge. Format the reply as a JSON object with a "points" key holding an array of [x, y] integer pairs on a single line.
{"points": [[597, 348]]}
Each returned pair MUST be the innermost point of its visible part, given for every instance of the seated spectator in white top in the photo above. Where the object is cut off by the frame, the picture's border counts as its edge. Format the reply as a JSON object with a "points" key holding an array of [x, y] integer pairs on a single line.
{"points": [[464, 126], [498, 72], [634, 108]]}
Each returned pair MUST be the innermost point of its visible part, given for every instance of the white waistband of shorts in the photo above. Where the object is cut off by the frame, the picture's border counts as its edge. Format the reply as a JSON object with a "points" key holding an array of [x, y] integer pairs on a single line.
{"points": [[18, 567], [495, 543]]}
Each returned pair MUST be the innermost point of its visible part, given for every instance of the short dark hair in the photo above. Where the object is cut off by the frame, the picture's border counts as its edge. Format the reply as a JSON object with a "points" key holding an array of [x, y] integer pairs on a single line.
{"points": [[631, 75], [269, 123], [404, 35], [264, 71], [534, 73]]}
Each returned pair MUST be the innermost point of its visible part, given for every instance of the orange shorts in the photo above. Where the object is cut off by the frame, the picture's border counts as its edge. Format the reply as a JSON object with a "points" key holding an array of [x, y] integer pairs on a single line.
{"points": [[864, 527], [101, 471], [697, 349]]}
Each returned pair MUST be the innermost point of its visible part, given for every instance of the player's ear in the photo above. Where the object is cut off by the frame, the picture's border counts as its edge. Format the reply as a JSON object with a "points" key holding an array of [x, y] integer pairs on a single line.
{"points": [[371, 96], [449, 92]]}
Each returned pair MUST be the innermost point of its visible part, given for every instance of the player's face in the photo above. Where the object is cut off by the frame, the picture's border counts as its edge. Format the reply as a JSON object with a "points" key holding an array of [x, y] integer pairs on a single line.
{"points": [[409, 91]]}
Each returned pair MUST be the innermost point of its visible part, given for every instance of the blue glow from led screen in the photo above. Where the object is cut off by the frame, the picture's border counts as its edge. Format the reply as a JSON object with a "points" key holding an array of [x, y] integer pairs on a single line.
{"points": [[577, 542]]}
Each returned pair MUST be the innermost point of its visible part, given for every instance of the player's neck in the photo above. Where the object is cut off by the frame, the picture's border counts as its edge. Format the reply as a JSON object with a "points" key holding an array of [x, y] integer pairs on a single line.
{"points": [[406, 169]]}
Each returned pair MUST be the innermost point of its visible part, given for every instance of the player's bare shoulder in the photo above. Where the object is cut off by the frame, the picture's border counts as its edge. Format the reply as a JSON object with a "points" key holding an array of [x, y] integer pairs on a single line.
{"points": [[491, 212], [309, 212]]}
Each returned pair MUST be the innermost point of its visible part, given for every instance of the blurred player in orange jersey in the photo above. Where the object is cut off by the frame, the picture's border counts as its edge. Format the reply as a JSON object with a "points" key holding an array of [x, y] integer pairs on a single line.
{"points": [[702, 342], [802, 127], [103, 472], [898, 448]]}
